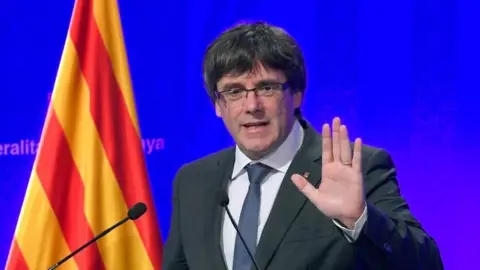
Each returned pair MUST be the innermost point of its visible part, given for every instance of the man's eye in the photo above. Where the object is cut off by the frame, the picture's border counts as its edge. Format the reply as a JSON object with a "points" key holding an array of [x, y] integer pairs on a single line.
{"points": [[267, 88], [234, 92]]}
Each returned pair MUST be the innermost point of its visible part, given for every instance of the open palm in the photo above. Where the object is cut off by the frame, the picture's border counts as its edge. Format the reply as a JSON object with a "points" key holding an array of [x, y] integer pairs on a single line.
{"points": [[340, 194]]}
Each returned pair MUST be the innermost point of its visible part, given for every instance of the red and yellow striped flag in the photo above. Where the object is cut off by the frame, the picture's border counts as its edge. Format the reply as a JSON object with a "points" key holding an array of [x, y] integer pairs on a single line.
{"points": [[90, 167]]}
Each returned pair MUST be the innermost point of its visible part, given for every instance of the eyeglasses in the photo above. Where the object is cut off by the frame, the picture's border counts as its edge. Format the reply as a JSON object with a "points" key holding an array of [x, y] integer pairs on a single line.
{"points": [[262, 90]]}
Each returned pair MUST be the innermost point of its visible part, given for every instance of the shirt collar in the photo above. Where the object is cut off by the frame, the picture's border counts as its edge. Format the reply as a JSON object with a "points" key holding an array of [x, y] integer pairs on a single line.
{"points": [[279, 159]]}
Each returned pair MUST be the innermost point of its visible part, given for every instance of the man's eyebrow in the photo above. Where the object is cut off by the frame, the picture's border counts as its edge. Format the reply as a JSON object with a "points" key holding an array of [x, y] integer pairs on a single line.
{"points": [[267, 81], [232, 85], [240, 85]]}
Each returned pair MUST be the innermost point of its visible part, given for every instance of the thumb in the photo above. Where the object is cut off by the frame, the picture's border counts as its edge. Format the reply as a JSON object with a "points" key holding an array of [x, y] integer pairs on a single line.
{"points": [[304, 186]]}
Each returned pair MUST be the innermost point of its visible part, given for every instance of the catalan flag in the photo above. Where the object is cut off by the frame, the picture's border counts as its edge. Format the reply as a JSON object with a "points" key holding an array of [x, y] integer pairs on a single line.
{"points": [[90, 167]]}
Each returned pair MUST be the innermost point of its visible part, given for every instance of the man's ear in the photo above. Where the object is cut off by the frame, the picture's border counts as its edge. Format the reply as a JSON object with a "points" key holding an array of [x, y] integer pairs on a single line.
{"points": [[297, 99], [218, 112]]}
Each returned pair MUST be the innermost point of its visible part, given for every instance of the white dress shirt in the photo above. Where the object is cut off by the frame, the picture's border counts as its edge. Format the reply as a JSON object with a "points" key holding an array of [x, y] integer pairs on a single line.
{"points": [[279, 160]]}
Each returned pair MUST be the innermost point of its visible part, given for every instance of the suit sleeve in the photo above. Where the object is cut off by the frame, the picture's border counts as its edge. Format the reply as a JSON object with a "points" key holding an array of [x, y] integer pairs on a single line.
{"points": [[392, 238], [173, 255]]}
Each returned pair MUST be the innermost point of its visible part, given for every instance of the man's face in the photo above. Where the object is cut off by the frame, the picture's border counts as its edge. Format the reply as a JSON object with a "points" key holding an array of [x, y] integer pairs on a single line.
{"points": [[257, 123]]}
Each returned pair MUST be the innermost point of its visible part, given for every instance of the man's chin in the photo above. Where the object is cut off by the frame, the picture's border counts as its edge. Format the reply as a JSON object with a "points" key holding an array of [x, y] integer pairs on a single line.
{"points": [[256, 149]]}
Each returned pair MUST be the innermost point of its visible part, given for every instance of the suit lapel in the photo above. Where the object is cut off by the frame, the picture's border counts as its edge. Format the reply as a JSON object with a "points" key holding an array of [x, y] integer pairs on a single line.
{"points": [[290, 200], [221, 177]]}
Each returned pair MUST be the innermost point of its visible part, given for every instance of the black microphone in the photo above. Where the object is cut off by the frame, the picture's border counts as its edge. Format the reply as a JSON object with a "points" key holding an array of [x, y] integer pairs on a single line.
{"points": [[223, 201], [133, 213]]}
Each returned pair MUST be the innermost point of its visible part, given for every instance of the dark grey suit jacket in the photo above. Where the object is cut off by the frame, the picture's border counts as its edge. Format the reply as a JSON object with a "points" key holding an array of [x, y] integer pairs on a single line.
{"points": [[297, 235]]}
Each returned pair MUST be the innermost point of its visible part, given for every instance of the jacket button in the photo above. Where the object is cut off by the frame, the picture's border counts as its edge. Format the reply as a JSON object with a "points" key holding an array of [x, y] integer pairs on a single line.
{"points": [[387, 248]]}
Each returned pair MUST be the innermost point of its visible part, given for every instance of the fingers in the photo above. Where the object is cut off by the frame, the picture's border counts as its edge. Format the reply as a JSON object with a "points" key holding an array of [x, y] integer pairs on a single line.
{"points": [[345, 149], [327, 155], [336, 139], [304, 186], [357, 155], [336, 145]]}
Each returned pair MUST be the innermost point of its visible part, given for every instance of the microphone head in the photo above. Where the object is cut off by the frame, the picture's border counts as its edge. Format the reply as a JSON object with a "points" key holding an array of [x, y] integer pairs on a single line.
{"points": [[222, 197], [137, 210]]}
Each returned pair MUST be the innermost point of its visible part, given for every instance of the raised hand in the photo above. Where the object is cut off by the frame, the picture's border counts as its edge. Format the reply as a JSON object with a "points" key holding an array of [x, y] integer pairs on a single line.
{"points": [[340, 194]]}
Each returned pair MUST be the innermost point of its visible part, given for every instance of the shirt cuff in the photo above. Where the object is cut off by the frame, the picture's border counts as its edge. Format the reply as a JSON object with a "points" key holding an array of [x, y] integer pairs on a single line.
{"points": [[353, 235]]}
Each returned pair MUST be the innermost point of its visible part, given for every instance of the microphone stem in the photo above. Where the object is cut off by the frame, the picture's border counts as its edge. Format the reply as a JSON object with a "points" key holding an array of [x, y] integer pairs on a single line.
{"points": [[88, 243], [241, 238]]}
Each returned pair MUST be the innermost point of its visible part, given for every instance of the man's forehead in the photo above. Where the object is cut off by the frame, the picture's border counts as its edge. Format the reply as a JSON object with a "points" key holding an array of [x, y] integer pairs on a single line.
{"points": [[252, 77]]}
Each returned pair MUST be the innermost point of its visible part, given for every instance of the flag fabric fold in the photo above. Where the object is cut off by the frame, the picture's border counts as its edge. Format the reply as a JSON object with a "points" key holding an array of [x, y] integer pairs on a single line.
{"points": [[90, 166]]}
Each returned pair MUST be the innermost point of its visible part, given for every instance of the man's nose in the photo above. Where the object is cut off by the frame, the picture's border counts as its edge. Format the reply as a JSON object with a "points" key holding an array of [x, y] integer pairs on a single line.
{"points": [[252, 102]]}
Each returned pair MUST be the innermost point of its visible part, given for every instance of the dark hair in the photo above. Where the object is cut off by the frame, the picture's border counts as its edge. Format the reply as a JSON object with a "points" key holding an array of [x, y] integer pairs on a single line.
{"points": [[239, 48]]}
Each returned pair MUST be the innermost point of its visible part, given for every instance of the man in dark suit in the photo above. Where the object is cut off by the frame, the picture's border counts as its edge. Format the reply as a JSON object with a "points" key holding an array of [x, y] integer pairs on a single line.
{"points": [[302, 200]]}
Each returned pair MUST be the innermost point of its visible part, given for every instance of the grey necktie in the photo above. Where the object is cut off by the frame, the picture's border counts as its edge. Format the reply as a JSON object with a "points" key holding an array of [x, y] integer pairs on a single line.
{"points": [[249, 217]]}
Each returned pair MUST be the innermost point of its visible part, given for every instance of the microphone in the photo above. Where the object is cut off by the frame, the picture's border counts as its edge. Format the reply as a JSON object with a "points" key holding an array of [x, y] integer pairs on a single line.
{"points": [[133, 213], [223, 201]]}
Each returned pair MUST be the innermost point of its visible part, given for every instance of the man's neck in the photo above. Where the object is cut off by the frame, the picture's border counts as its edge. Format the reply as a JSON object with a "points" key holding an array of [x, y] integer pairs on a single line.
{"points": [[258, 155], [278, 158]]}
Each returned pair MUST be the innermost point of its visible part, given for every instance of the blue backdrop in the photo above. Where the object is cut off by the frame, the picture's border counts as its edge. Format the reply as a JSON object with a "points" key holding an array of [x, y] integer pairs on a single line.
{"points": [[403, 75]]}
